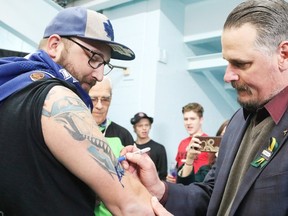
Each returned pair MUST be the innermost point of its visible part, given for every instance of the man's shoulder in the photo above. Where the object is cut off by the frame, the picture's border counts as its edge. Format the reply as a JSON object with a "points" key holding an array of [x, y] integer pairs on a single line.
{"points": [[186, 140], [118, 127], [58, 90], [152, 142], [116, 130]]}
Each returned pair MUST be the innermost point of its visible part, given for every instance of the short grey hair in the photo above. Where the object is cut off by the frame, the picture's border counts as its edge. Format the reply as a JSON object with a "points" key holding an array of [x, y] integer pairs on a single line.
{"points": [[270, 18], [110, 83]]}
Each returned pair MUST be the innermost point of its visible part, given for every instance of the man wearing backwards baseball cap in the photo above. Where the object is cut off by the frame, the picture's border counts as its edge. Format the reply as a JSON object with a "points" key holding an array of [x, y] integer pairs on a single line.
{"points": [[142, 124], [54, 160]]}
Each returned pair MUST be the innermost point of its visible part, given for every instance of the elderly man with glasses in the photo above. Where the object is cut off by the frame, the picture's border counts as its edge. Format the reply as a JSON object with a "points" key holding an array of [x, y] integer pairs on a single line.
{"points": [[116, 135], [54, 160]]}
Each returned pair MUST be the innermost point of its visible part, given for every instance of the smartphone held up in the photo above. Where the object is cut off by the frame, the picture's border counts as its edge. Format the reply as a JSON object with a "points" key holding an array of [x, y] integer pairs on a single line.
{"points": [[209, 143]]}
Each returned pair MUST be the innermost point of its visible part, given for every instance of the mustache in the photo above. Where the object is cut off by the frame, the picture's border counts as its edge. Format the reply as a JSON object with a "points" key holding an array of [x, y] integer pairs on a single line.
{"points": [[93, 83], [240, 87]]}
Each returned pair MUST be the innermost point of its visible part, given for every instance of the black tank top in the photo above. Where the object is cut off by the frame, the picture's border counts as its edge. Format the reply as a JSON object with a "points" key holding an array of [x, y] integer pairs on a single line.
{"points": [[32, 181]]}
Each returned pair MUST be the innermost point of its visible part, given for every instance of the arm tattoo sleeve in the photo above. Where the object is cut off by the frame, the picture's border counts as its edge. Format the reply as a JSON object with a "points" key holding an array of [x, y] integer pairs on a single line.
{"points": [[75, 117]]}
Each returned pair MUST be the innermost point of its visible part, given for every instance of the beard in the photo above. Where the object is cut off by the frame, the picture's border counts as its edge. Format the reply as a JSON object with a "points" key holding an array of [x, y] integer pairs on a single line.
{"points": [[69, 67], [65, 64], [253, 104]]}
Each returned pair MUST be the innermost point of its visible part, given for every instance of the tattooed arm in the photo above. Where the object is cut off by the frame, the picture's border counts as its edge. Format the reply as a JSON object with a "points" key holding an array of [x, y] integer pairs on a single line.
{"points": [[72, 136]]}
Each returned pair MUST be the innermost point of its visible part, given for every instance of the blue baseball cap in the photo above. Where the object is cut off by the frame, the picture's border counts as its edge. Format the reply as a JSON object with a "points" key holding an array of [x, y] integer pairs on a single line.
{"points": [[84, 23]]}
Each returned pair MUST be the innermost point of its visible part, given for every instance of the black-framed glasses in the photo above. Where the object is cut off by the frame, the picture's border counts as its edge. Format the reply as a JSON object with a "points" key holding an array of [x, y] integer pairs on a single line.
{"points": [[103, 100], [96, 60]]}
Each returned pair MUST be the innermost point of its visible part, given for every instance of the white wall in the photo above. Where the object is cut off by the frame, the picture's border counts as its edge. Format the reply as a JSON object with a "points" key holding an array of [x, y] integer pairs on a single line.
{"points": [[22, 23], [206, 16], [136, 92]]}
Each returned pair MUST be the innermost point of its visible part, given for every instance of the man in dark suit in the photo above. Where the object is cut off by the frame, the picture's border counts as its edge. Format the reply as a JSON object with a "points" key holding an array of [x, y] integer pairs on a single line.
{"points": [[251, 173]]}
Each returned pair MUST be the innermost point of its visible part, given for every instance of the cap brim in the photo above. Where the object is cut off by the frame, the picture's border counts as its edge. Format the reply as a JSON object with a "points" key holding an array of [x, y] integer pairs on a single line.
{"points": [[121, 52]]}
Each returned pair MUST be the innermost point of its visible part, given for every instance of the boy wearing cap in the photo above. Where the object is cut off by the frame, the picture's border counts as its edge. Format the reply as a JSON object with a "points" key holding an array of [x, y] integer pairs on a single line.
{"points": [[54, 160], [142, 124]]}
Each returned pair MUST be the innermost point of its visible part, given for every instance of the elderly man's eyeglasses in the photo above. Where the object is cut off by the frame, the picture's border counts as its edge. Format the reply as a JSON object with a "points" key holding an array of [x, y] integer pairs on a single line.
{"points": [[96, 60], [103, 100]]}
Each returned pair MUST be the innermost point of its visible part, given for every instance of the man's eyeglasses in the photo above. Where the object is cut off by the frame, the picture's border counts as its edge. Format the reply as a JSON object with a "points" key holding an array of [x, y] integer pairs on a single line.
{"points": [[103, 100], [96, 60]]}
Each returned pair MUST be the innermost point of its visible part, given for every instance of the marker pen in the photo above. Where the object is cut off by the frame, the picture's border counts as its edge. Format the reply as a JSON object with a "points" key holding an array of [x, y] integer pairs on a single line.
{"points": [[141, 151]]}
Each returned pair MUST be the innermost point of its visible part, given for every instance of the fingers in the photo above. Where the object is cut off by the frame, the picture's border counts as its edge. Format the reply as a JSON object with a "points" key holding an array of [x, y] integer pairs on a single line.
{"points": [[159, 210], [193, 148], [194, 143], [125, 164], [142, 160], [130, 148], [170, 178]]}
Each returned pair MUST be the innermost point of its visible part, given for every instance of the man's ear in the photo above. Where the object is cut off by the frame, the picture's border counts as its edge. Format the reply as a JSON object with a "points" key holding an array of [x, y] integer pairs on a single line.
{"points": [[283, 56], [54, 46]]}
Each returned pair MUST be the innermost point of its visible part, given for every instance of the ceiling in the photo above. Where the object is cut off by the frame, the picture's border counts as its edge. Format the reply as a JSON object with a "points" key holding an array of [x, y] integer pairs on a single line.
{"points": [[96, 5], [99, 3], [64, 3]]}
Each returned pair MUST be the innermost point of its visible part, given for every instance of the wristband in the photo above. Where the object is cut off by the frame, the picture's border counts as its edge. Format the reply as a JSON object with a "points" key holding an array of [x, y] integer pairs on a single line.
{"points": [[188, 164]]}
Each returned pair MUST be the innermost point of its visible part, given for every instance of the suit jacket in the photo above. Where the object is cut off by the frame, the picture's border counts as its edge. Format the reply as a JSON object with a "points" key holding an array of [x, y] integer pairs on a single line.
{"points": [[263, 191]]}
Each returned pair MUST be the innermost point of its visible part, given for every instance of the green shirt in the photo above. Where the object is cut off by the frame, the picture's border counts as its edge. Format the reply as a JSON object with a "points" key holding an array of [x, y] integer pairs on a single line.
{"points": [[116, 146]]}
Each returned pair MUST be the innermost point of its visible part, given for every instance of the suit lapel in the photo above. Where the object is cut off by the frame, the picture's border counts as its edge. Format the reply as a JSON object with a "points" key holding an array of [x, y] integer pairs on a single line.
{"points": [[228, 150], [280, 133]]}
